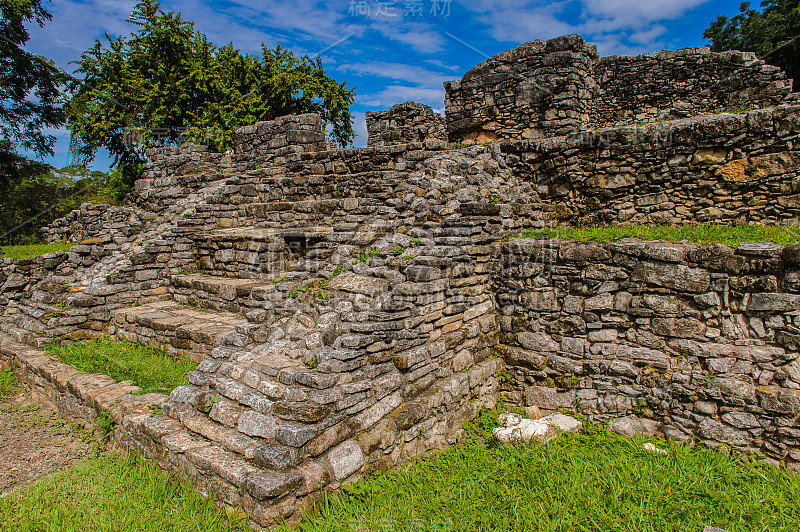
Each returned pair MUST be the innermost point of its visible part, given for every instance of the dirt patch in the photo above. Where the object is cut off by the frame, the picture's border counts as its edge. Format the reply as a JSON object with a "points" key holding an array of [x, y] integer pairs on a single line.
{"points": [[36, 441]]}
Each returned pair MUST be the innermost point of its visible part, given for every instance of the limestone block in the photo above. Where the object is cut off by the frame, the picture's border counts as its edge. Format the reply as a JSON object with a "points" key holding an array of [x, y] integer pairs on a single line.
{"points": [[633, 426], [254, 423], [346, 459], [515, 428], [359, 284]]}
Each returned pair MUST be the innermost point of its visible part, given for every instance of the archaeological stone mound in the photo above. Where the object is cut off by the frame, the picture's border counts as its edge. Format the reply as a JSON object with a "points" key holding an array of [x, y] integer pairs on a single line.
{"points": [[351, 308]]}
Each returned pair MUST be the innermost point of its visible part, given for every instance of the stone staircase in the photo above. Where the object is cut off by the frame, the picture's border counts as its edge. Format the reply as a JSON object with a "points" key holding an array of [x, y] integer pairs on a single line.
{"points": [[260, 252], [286, 375], [180, 329], [238, 296]]}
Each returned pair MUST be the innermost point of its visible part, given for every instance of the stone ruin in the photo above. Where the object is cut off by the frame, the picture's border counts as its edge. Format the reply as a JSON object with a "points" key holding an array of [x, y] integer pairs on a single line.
{"points": [[351, 308]]}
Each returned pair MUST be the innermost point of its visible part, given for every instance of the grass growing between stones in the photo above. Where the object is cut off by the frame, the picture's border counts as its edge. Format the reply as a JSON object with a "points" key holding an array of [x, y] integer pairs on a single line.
{"points": [[151, 369], [593, 481], [112, 493], [32, 250], [7, 383], [699, 234]]}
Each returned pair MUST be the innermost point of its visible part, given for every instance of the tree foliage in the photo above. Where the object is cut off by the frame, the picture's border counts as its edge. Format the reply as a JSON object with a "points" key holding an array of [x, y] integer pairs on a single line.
{"points": [[33, 194], [773, 33], [167, 80], [30, 85]]}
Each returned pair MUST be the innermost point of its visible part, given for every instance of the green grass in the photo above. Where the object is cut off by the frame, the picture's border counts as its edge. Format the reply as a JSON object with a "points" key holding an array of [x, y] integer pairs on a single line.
{"points": [[593, 481], [32, 250], [112, 493], [699, 234], [151, 369], [7, 383]]}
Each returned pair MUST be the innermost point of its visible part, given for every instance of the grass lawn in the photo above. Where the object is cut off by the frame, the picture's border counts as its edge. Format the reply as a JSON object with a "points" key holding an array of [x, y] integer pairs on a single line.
{"points": [[699, 234], [594, 481], [152, 369], [112, 493], [109, 492], [32, 250]]}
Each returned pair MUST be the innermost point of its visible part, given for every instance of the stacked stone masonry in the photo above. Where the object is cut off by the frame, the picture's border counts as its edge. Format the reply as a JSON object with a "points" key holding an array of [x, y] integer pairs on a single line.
{"points": [[349, 307], [97, 221], [726, 168], [404, 122], [704, 339], [340, 308], [562, 86]]}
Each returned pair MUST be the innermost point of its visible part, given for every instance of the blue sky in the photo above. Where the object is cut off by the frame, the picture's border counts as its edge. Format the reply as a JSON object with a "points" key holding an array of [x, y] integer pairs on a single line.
{"points": [[390, 51]]}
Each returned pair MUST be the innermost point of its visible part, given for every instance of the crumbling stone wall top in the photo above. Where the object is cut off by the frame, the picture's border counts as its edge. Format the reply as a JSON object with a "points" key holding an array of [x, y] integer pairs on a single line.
{"points": [[561, 86], [403, 123], [286, 134], [535, 89]]}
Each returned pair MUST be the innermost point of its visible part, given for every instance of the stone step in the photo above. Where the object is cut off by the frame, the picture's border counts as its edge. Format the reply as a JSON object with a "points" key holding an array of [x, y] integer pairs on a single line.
{"points": [[273, 185], [244, 425], [20, 335], [238, 296], [261, 253], [223, 466], [323, 209], [182, 330]]}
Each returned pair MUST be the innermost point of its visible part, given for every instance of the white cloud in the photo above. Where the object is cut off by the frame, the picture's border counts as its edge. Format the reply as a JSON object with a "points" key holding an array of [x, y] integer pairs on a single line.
{"points": [[414, 83], [442, 64], [393, 94], [637, 13], [616, 26], [401, 71], [648, 36], [322, 21], [421, 37], [523, 21], [75, 26]]}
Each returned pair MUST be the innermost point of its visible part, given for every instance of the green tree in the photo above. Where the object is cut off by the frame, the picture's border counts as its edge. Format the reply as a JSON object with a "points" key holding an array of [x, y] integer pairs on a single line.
{"points": [[30, 102], [167, 76], [33, 194], [773, 33], [30, 93]]}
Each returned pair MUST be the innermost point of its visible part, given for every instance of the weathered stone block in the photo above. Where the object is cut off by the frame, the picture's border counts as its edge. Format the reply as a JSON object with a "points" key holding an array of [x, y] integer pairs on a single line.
{"points": [[346, 459], [540, 301], [265, 485], [254, 423]]}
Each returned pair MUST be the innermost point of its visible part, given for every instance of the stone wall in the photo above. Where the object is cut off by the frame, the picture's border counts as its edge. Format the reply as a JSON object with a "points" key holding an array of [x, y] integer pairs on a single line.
{"points": [[727, 168], [347, 307], [187, 159], [682, 83], [703, 339], [562, 86], [411, 430], [369, 342], [70, 296], [268, 143], [537, 89], [387, 361], [97, 221], [404, 123], [173, 173]]}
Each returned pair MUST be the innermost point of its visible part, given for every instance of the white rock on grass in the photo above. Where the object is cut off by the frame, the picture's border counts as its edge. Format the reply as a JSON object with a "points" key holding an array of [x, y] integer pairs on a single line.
{"points": [[515, 428], [653, 449], [563, 422]]}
